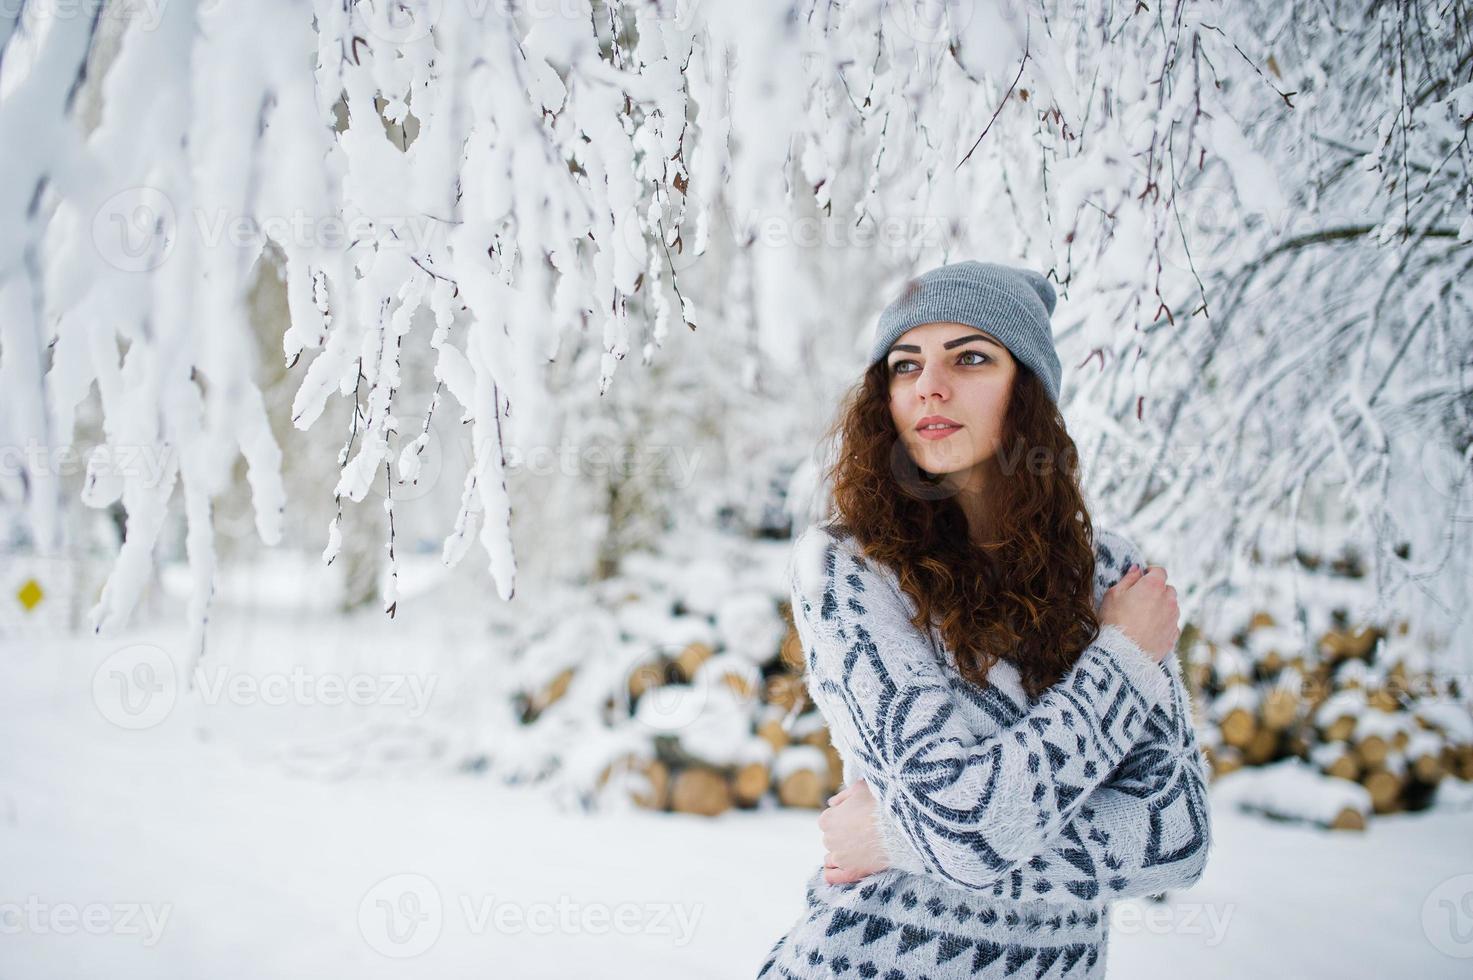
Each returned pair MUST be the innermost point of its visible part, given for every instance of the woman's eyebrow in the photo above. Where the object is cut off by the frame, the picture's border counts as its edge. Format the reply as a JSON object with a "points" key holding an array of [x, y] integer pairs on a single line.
{"points": [[950, 343]]}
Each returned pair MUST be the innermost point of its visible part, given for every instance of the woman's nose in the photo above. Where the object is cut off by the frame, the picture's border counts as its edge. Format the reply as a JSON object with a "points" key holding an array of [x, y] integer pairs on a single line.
{"points": [[932, 383]]}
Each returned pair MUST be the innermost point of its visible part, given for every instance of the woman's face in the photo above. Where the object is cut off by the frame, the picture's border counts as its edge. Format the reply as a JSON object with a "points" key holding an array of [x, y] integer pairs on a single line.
{"points": [[957, 375]]}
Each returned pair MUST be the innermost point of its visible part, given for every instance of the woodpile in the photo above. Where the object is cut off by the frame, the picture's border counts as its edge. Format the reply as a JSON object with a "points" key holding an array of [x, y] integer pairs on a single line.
{"points": [[1356, 701], [774, 745], [1347, 714]]}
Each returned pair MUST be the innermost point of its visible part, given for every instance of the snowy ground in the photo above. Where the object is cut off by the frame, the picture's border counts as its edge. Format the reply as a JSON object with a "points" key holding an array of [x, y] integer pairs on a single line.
{"points": [[156, 853]]}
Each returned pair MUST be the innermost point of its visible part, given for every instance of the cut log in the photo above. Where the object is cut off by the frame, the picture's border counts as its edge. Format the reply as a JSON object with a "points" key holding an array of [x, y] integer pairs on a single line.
{"points": [[1337, 759], [1457, 760], [1383, 699], [1238, 727], [771, 730], [1280, 707], [836, 770], [1385, 788], [1371, 750], [646, 676], [734, 673], [1223, 759], [818, 736], [785, 689], [543, 698], [750, 782], [1428, 768], [1343, 644], [648, 781], [1336, 717], [1262, 747], [802, 774], [702, 790], [791, 651], [804, 788], [690, 659]]}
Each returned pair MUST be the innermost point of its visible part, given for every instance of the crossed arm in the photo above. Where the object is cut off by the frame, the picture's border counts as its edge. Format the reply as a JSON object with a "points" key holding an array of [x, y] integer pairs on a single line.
{"points": [[1100, 783]]}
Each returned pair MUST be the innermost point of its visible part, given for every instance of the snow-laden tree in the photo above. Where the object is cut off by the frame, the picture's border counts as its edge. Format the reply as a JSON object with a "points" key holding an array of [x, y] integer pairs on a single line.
{"points": [[1256, 214]]}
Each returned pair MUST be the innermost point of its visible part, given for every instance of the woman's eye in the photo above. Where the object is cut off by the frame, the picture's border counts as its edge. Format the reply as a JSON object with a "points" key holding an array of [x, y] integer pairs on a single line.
{"points": [[899, 367]]}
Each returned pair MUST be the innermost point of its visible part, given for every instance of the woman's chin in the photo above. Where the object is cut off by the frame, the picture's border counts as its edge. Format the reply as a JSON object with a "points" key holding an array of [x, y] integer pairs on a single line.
{"points": [[941, 466]]}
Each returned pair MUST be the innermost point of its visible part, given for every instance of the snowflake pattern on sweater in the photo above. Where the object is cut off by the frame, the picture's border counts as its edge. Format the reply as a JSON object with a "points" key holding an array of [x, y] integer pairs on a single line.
{"points": [[1010, 824]]}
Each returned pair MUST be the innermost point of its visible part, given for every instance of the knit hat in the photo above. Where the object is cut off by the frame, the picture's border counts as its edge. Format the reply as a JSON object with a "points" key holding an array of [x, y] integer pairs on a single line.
{"points": [[1010, 303]]}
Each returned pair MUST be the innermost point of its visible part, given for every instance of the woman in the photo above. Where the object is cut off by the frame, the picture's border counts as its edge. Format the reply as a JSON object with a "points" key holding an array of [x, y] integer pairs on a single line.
{"points": [[997, 677]]}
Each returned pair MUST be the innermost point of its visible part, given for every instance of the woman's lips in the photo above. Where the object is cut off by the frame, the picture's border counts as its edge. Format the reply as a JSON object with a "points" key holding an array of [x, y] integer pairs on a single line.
{"points": [[934, 434]]}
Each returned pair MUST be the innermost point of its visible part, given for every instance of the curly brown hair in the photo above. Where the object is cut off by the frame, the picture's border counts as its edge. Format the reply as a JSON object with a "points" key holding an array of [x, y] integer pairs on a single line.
{"points": [[1026, 595]]}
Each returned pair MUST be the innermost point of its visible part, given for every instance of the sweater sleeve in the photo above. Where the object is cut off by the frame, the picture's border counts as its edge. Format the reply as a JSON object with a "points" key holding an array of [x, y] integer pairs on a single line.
{"points": [[1115, 553], [971, 806], [1146, 829]]}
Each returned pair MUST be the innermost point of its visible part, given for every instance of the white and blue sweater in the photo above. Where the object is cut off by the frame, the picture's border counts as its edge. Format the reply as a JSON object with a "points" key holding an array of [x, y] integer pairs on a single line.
{"points": [[1010, 823]]}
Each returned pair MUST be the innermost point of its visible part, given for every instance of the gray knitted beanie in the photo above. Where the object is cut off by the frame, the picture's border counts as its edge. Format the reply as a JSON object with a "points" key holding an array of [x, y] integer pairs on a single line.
{"points": [[1010, 303]]}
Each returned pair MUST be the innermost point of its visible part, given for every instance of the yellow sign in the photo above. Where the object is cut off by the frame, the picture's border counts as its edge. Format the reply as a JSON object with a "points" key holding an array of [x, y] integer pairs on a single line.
{"points": [[30, 595]]}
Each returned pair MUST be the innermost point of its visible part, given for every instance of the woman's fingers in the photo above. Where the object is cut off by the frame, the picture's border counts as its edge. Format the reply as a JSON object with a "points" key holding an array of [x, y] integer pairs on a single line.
{"points": [[840, 876], [1137, 571]]}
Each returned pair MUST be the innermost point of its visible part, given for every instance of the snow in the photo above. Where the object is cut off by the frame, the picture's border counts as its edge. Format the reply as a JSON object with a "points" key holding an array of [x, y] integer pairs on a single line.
{"points": [[749, 624], [720, 730], [1350, 702], [1449, 717], [799, 758], [651, 620], [1235, 696], [729, 668], [1244, 397], [1383, 723], [256, 850], [526, 181], [1291, 789]]}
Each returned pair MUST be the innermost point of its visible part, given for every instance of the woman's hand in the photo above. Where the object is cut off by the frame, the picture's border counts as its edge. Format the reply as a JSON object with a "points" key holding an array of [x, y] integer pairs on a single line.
{"points": [[1144, 607], [851, 842]]}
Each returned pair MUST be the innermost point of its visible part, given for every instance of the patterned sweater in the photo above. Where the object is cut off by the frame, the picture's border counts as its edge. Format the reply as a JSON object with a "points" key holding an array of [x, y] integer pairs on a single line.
{"points": [[1010, 824]]}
